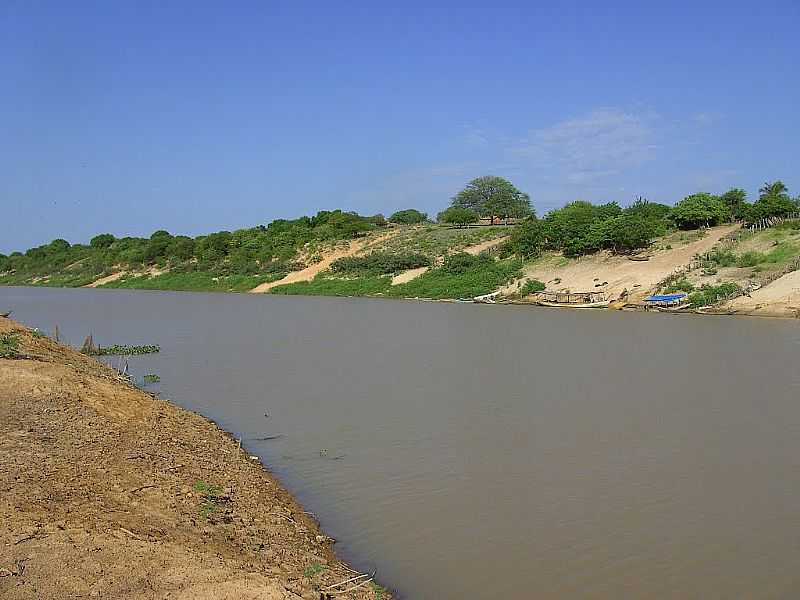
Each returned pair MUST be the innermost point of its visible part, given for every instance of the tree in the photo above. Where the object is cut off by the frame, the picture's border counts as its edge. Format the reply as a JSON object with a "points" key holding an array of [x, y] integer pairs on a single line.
{"points": [[568, 227], [698, 210], [409, 216], [773, 201], [459, 216], [735, 201], [491, 196], [104, 240], [528, 239], [628, 232], [57, 246]]}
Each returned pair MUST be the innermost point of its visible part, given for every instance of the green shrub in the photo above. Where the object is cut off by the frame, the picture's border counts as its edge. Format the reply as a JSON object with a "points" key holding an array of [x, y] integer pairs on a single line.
{"points": [[750, 259], [457, 280], [531, 287], [722, 258], [709, 295], [681, 285], [9, 345], [329, 286], [195, 282], [122, 350], [379, 263], [460, 263], [410, 216]]}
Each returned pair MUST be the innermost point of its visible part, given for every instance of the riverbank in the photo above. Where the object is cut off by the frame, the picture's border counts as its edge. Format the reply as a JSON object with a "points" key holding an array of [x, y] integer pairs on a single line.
{"points": [[110, 492]]}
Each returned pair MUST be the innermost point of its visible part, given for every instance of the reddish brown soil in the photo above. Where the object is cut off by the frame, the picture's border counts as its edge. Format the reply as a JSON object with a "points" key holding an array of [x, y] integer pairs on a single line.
{"points": [[99, 496]]}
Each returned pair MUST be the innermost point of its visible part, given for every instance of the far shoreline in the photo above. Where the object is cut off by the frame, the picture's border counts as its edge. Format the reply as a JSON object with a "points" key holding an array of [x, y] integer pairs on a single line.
{"points": [[526, 305]]}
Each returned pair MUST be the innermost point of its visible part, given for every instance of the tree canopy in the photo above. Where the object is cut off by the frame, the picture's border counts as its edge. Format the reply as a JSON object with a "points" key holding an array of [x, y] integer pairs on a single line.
{"points": [[581, 227], [700, 210], [409, 216], [491, 196], [457, 215], [773, 201]]}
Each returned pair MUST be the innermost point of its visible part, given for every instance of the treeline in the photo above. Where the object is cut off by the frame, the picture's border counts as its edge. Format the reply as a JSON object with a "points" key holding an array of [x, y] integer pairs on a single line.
{"points": [[261, 249], [583, 228]]}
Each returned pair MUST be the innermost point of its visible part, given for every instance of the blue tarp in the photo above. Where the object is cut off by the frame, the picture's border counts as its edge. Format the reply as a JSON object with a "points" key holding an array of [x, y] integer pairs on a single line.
{"points": [[666, 298]]}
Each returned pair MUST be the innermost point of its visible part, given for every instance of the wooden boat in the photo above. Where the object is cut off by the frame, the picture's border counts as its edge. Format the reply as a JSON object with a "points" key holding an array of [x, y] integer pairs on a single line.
{"points": [[668, 302], [5, 315], [572, 299], [672, 309], [487, 298], [600, 304]]}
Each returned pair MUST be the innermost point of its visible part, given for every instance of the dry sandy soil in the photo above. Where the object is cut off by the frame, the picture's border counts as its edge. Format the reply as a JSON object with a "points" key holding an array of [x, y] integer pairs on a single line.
{"points": [[581, 275], [781, 298], [99, 496], [107, 279]]}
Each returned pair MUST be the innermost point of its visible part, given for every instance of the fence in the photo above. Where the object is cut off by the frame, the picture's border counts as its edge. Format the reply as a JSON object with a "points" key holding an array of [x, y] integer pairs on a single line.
{"points": [[771, 222]]}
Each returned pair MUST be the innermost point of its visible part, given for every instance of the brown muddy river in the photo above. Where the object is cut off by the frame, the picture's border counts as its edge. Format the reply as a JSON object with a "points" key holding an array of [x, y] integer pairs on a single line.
{"points": [[476, 452]]}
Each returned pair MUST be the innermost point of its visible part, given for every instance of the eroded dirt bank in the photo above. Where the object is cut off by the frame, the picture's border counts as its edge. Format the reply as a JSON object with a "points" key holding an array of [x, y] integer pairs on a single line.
{"points": [[107, 492]]}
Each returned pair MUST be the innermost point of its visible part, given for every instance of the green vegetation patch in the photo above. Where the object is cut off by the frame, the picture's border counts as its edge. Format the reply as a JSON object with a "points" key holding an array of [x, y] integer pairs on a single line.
{"points": [[9, 345], [211, 497], [323, 285], [313, 570], [435, 240], [379, 263], [195, 282], [121, 350], [680, 285], [461, 276], [708, 295], [531, 286]]}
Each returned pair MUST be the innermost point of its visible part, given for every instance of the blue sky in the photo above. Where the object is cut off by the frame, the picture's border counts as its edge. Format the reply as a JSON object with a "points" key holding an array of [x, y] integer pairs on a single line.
{"points": [[192, 116]]}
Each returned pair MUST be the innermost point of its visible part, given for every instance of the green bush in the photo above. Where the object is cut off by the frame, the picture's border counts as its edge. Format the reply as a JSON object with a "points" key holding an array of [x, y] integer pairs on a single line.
{"points": [[328, 286], [9, 345], [461, 262], [531, 286], [681, 285], [699, 210], [460, 278], [750, 259], [379, 263], [709, 295], [722, 258], [195, 282], [410, 216]]}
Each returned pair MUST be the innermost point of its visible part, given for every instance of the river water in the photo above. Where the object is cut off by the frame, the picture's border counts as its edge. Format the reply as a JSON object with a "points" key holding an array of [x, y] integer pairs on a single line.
{"points": [[490, 452]]}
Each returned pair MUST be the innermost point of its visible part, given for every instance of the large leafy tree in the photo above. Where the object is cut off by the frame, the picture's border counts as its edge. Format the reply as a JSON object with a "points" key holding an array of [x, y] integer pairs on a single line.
{"points": [[773, 201], [528, 239], [698, 210], [409, 216], [491, 196], [735, 201], [457, 215]]}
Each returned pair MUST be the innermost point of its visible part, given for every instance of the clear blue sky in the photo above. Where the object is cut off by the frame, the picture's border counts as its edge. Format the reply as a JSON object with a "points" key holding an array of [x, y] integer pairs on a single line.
{"points": [[194, 116]]}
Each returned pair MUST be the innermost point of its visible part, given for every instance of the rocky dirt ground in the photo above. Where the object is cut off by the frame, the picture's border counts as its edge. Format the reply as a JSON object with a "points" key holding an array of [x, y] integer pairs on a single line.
{"points": [[108, 492]]}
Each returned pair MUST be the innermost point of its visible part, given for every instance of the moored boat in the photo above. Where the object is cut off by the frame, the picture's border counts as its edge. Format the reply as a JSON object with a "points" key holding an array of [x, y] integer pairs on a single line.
{"points": [[572, 299]]}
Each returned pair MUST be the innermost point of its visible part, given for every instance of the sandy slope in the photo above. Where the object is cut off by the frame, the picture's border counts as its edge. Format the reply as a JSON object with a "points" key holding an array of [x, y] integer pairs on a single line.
{"points": [[409, 275], [107, 279], [781, 298], [487, 245], [637, 277], [352, 249], [98, 496]]}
